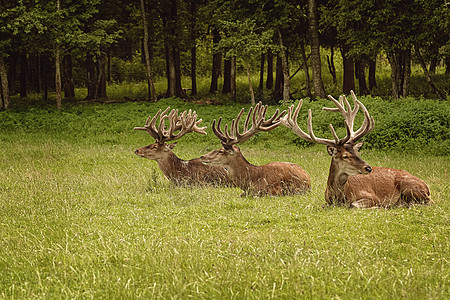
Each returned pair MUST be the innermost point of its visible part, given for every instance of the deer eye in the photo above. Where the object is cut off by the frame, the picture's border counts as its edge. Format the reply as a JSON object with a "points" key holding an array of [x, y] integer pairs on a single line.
{"points": [[221, 152], [345, 157]]}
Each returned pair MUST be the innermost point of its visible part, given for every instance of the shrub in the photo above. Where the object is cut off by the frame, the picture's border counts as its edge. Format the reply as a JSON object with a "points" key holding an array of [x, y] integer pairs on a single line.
{"points": [[409, 124]]}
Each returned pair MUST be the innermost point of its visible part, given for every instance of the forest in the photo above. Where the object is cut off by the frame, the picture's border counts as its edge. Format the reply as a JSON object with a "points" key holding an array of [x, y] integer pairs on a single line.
{"points": [[258, 50]]}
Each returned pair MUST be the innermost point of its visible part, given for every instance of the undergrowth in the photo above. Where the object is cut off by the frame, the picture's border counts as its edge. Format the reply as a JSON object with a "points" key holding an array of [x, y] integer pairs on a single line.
{"points": [[414, 125]]}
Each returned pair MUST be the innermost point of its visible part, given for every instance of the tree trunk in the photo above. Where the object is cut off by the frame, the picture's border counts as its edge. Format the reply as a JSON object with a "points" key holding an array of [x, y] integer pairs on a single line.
{"points": [[434, 60], [69, 86], [23, 75], [361, 76], [58, 68], [217, 61], [447, 65], [319, 89], [438, 92], [193, 19], [372, 72], [285, 67], [171, 84], [58, 77], [45, 71], [226, 77], [233, 79], [173, 64], [4, 88], [331, 67], [194, 70], [279, 77], [433, 65], [406, 75], [151, 86], [400, 62], [260, 91], [101, 78], [306, 69], [349, 71], [108, 69], [180, 92], [33, 73], [39, 72], [250, 86], [91, 77], [395, 74], [269, 80]]}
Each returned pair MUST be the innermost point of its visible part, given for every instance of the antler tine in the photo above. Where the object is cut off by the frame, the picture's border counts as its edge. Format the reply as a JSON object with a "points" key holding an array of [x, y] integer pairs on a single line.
{"points": [[290, 121], [185, 123], [174, 123], [349, 119], [259, 123], [256, 116], [219, 133], [320, 140], [274, 121], [150, 126], [235, 125], [368, 122]]}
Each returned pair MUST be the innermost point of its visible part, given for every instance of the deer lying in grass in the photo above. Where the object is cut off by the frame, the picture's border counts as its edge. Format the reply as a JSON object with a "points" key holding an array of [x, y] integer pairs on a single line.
{"points": [[178, 171], [351, 180], [275, 178]]}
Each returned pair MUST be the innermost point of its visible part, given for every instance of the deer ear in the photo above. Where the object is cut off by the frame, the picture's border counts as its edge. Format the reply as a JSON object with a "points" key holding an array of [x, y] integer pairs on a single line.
{"points": [[171, 146], [358, 146], [331, 150]]}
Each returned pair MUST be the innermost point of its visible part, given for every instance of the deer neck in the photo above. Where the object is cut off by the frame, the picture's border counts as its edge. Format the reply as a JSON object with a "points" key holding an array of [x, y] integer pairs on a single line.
{"points": [[169, 164], [239, 169], [336, 184]]}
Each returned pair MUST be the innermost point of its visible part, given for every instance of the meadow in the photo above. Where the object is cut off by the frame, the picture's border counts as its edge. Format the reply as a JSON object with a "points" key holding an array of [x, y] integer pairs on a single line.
{"points": [[83, 217]]}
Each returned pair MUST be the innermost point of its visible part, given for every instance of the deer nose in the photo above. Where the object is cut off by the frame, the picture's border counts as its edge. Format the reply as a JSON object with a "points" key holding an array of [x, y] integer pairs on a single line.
{"points": [[136, 151], [369, 169]]}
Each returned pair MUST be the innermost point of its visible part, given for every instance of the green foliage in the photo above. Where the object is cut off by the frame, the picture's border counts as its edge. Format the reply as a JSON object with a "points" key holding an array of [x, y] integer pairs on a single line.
{"points": [[414, 125], [243, 39], [411, 125]]}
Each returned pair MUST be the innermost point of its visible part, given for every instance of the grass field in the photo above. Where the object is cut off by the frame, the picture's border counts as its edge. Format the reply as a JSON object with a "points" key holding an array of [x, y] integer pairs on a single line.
{"points": [[83, 217]]}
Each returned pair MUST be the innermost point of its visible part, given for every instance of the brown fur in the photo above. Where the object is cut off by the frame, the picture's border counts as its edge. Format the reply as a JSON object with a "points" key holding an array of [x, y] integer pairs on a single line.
{"points": [[274, 179], [354, 183], [184, 172]]}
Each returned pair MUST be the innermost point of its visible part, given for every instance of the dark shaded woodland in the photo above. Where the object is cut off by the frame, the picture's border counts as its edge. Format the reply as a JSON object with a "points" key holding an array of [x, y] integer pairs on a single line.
{"points": [[56, 46]]}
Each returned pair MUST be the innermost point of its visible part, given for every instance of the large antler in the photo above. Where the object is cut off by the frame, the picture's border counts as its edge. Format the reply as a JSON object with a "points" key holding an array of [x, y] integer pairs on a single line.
{"points": [[185, 123], [256, 115], [290, 120]]}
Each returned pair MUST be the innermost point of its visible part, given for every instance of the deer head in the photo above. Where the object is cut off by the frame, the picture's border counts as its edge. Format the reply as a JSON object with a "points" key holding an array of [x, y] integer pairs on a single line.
{"points": [[344, 151], [186, 122], [256, 116]]}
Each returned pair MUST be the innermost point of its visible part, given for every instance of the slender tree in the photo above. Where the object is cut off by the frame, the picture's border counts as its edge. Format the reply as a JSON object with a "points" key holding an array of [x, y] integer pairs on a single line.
{"points": [[285, 68], [244, 40], [217, 61], [172, 32], [151, 86], [58, 64], [316, 63], [4, 88]]}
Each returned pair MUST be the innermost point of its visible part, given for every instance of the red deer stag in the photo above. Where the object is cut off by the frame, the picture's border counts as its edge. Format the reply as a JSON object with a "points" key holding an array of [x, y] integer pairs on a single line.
{"points": [[178, 171], [275, 178], [351, 180]]}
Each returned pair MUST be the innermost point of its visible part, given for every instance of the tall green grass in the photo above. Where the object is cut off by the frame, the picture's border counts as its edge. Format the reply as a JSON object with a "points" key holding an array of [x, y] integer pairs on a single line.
{"points": [[83, 217]]}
